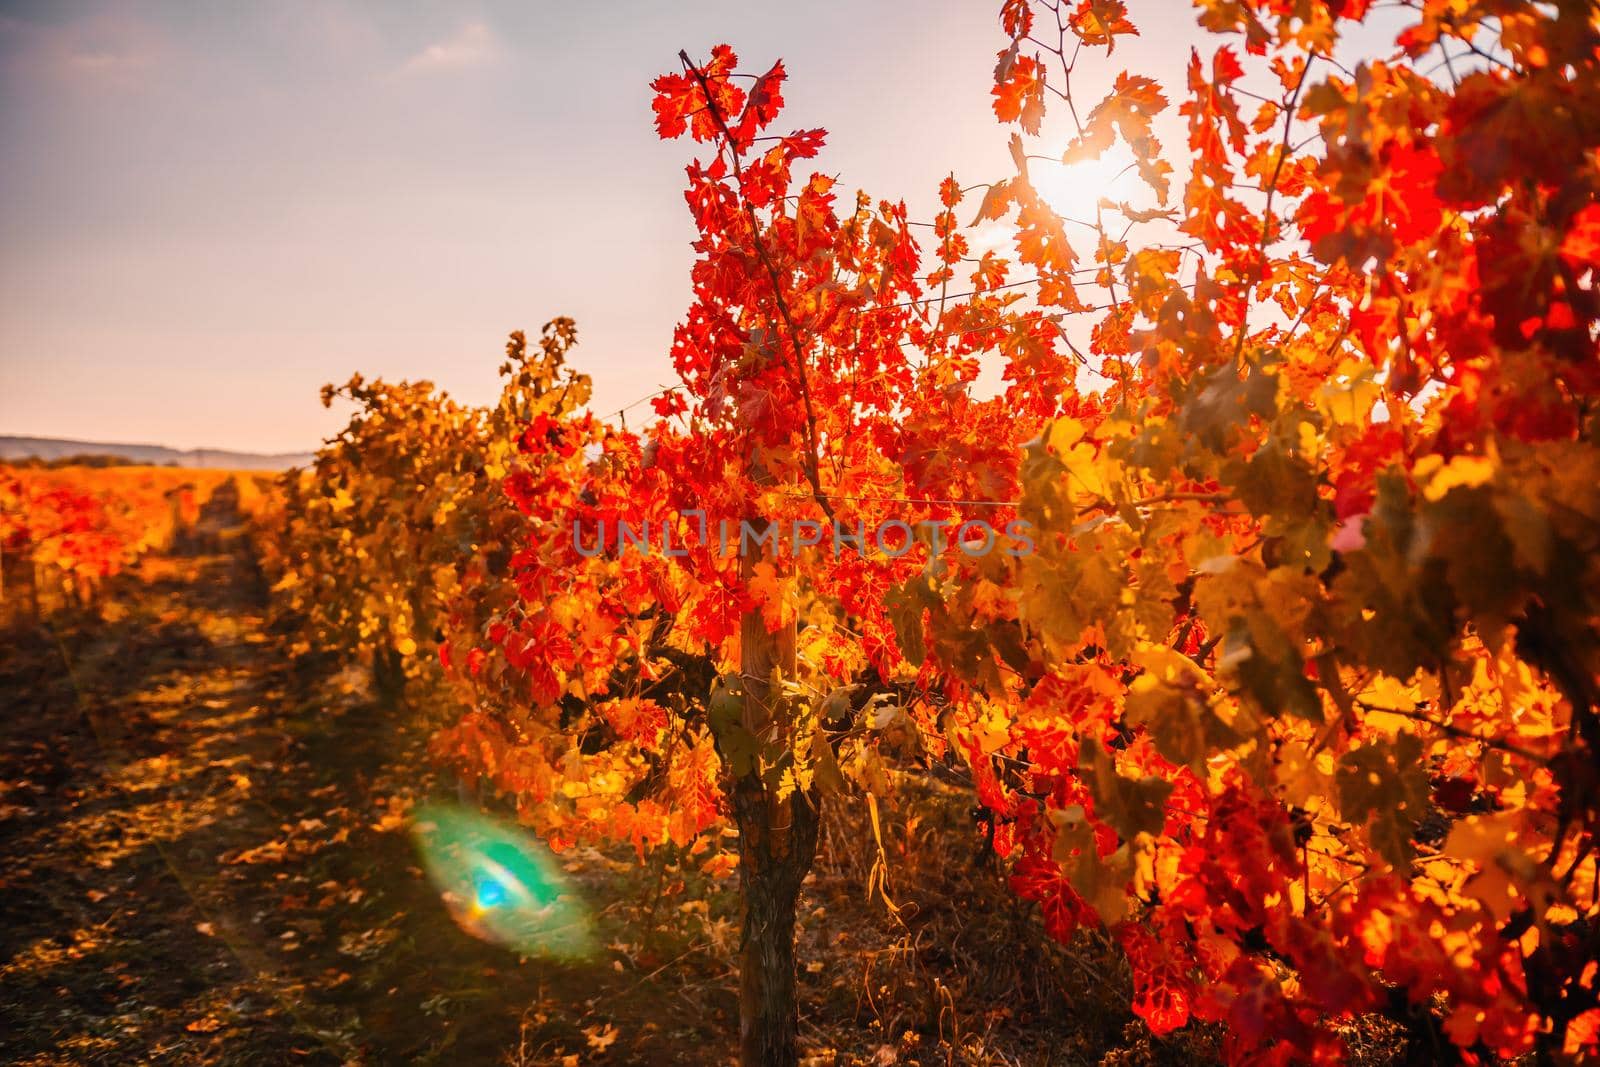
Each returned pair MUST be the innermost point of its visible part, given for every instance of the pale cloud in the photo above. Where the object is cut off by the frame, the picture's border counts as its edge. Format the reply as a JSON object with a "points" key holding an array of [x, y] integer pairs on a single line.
{"points": [[104, 50], [471, 46]]}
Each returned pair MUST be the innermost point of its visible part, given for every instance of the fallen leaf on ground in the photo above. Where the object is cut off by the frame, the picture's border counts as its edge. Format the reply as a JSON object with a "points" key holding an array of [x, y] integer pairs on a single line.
{"points": [[600, 1038]]}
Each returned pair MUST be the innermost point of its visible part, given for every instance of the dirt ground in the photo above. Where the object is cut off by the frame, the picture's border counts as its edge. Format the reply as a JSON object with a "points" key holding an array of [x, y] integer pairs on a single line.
{"points": [[204, 859]]}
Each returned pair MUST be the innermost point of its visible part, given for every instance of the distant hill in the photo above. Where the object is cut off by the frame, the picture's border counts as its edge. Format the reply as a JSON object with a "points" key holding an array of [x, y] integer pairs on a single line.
{"points": [[51, 448]]}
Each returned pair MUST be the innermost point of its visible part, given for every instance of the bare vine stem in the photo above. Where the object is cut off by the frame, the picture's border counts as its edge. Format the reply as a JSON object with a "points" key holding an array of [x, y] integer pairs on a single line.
{"points": [[1260, 266]]}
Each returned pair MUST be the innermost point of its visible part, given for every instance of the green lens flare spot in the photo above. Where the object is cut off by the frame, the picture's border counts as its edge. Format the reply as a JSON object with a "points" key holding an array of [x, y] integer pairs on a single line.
{"points": [[501, 884]]}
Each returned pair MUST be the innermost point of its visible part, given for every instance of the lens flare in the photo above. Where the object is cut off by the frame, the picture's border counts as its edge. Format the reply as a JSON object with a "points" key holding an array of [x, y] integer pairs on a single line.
{"points": [[501, 884]]}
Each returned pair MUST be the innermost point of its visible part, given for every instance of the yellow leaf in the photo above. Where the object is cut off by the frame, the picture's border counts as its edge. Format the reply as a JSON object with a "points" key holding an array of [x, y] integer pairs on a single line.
{"points": [[772, 592], [1506, 873], [1440, 477], [1063, 434], [600, 1038]]}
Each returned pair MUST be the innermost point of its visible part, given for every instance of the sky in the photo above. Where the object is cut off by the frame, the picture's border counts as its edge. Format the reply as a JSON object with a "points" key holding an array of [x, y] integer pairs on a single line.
{"points": [[209, 210]]}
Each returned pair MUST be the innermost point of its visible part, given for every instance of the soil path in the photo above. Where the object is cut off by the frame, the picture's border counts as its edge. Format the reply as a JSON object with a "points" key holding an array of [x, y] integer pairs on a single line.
{"points": [[202, 860]]}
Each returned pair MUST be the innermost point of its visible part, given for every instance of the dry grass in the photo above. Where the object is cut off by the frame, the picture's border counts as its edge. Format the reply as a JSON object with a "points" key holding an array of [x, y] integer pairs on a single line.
{"points": [[944, 965]]}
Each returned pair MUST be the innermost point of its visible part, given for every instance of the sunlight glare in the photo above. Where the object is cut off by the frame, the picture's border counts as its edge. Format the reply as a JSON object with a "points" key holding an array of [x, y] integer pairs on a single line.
{"points": [[1073, 189]]}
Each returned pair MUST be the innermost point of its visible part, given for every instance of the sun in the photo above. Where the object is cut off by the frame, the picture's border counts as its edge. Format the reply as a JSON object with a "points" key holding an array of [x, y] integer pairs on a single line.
{"points": [[1073, 189]]}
